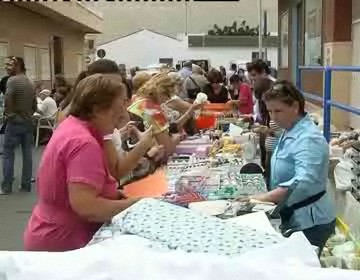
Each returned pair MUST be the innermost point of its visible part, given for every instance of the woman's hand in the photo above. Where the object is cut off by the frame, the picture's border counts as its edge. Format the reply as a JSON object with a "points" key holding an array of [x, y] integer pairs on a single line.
{"points": [[261, 129], [157, 153], [146, 138], [194, 107]]}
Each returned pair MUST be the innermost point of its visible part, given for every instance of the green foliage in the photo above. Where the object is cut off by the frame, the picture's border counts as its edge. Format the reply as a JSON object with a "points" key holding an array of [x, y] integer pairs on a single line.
{"points": [[234, 30]]}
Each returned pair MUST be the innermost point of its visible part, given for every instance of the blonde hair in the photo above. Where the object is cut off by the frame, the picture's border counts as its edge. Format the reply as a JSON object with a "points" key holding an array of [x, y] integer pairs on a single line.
{"points": [[159, 85], [177, 77], [140, 79]]}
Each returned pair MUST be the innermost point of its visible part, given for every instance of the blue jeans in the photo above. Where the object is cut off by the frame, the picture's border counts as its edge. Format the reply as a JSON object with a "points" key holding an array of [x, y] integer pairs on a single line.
{"points": [[17, 133]]}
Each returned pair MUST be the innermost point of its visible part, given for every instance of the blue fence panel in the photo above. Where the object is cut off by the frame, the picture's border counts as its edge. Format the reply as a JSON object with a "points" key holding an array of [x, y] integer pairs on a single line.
{"points": [[326, 100]]}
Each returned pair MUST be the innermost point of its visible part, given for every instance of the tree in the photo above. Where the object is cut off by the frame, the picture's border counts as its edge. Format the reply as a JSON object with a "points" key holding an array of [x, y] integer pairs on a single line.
{"points": [[243, 30]]}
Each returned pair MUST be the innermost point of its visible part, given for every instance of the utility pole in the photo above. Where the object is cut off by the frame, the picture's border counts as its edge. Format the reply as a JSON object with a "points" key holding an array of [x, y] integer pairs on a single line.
{"points": [[260, 14], [265, 35], [186, 18]]}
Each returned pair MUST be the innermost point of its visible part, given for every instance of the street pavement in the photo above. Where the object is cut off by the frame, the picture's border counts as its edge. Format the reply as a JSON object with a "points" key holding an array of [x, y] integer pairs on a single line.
{"points": [[16, 208]]}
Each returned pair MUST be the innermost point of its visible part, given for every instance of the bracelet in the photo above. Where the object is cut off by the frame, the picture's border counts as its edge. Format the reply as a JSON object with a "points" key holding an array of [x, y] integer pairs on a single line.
{"points": [[107, 137]]}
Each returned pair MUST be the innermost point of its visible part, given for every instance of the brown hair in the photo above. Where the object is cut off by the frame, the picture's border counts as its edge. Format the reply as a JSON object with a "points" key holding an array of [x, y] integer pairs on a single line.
{"points": [[97, 91], [214, 76], [285, 92], [159, 85]]}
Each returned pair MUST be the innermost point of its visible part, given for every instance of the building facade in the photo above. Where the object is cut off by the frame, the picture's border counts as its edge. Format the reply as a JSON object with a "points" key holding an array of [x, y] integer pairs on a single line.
{"points": [[322, 32], [48, 35], [179, 17], [133, 49]]}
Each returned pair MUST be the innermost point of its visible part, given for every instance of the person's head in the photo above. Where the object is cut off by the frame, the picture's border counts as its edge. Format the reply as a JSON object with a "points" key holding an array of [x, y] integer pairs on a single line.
{"points": [[139, 80], [188, 64], [122, 69], [233, 67], [60, 81], [258, 69], [100, 99], [160, 88], [38, 87], [261, 86], [177, 67], [196, 69], [133, 71], [101, 66], [285, 103], [61, 93], [215, 79], [222, 70], [15, 65], [235, 81], [44, 93]]}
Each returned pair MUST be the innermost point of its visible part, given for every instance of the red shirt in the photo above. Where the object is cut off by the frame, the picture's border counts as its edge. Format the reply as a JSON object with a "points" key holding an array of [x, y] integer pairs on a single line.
{"points": [[247, 105]]}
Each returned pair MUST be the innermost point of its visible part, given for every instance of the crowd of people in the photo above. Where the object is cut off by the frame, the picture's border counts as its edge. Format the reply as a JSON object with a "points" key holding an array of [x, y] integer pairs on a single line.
{"points": [[112, 127]]}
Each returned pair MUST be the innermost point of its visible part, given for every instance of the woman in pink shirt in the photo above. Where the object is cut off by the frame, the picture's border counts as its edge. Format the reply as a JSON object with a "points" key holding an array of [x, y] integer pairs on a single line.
{"points": [[241, 95], [76, 193]]}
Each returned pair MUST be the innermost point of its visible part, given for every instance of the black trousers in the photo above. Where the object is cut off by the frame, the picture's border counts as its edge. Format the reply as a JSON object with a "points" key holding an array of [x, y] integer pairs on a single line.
{"points": [[319, 235]]}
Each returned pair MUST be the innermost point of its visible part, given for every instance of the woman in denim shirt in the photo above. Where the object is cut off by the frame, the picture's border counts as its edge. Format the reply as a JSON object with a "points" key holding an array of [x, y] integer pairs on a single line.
{"points": [[299, 168]]}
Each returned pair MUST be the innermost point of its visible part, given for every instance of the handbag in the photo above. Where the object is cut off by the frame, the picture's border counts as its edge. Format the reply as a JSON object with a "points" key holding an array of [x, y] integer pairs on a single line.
{"points": [[193, 92]]}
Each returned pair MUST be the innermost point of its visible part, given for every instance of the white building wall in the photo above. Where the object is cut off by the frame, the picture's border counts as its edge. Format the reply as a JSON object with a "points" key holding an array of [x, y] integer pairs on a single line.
{"points": [[145, 47]]}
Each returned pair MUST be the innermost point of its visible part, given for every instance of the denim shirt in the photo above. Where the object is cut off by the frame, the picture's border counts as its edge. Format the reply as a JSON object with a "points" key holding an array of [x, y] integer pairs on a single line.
{"points": [[300, 163]]}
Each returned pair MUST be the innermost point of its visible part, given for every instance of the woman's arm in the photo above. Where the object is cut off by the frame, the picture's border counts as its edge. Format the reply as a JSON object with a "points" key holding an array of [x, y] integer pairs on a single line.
{"points": [[274, 196], [180, 122], [85, 202], [179, 105], [122, 166]]}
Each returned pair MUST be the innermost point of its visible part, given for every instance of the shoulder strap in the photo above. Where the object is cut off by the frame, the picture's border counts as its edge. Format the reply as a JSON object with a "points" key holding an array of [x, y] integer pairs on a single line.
{"points": [[195, 83]]}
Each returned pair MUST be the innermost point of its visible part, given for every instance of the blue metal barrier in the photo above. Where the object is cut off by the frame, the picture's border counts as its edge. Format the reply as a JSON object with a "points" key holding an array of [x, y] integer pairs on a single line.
{"points": [[326, 100]]}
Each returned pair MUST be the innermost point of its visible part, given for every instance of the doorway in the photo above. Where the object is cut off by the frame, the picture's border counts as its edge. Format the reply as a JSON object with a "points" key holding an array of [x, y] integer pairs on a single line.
{"points": [[58, 55]]}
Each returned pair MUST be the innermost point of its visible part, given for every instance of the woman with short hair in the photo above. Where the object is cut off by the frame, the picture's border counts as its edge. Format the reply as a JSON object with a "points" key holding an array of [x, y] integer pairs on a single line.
{"points": [[76, 192], [299, 168]]}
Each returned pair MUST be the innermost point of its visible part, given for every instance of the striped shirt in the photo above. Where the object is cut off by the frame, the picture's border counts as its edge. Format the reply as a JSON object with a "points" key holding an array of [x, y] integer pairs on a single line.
{"points": [[271, 140], [20, 99]]}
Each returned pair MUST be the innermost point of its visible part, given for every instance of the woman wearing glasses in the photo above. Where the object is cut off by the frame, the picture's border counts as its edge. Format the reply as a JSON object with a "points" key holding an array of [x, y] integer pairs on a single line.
{"points": [[299, 168]]}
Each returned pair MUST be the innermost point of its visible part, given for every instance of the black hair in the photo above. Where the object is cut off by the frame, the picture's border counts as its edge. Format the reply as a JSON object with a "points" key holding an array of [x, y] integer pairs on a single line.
{"points": [[286, 92], [259, 66], [233, 67], [234, 79], [19, 62], [101, 66], [261, 86]]}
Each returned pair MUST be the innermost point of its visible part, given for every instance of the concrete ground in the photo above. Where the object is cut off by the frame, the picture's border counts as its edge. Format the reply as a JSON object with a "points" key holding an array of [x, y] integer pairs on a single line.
{"points": [[16, 208]]}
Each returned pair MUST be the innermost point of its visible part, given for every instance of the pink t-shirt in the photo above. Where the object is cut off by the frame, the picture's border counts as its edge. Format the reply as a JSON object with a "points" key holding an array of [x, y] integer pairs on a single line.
{"points": [[246, 96], [73, 155]]}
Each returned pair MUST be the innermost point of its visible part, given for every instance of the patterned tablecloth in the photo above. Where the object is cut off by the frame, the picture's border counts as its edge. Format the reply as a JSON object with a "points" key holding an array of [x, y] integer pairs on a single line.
{"points": [[222, 181], [170, 227]]}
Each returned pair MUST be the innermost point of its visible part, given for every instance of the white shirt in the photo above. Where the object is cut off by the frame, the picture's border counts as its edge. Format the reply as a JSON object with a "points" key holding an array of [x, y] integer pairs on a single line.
{"points": [[47, 107], [116, 139]]}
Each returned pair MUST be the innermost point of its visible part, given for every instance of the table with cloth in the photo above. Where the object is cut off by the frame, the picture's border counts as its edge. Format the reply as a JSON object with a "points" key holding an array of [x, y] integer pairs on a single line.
{"points": [[160, 218]]}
